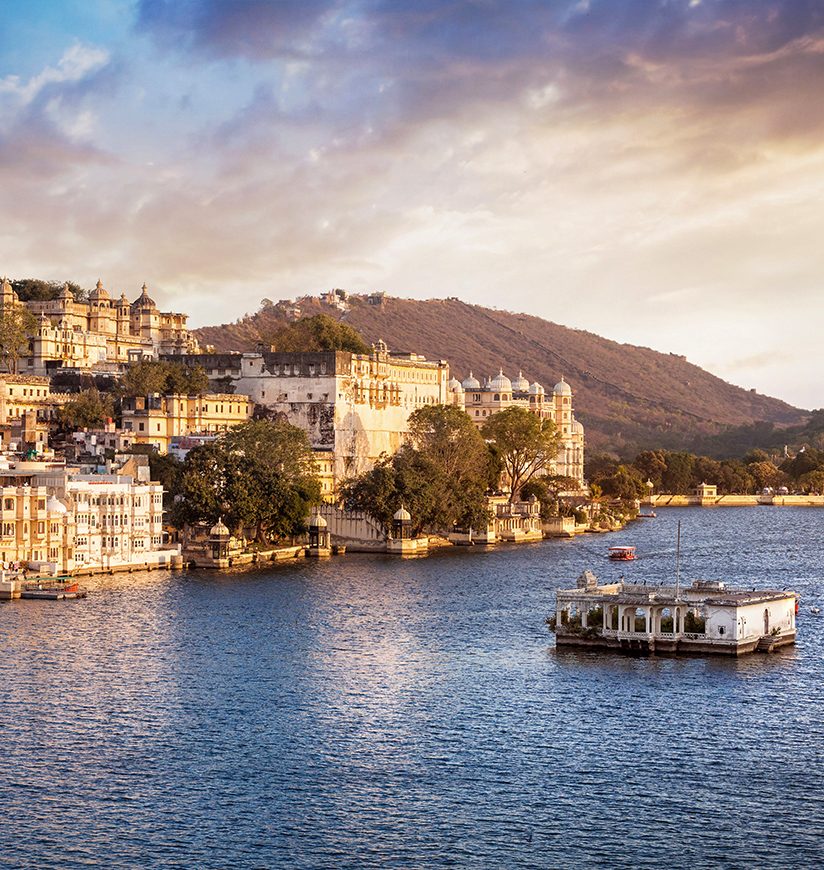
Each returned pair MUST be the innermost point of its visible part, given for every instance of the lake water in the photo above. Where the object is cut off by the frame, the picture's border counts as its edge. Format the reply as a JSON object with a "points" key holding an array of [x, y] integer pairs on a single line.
{"points": [[368, 711]]}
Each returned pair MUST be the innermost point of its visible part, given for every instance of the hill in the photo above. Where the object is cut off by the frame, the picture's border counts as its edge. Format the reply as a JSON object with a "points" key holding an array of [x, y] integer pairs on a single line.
{"points": [[629, 398]]}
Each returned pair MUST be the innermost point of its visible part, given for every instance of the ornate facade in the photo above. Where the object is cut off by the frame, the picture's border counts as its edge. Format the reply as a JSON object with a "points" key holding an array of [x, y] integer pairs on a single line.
{"points": [[101, 334], [498, 393]]}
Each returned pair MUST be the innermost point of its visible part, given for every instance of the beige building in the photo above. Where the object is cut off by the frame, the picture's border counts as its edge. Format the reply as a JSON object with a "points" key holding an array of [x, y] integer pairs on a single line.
{"points": [[35, 528], [157, 420], [353, 407], [27, 408], [101, 334], [59, 518], [481, 401]]}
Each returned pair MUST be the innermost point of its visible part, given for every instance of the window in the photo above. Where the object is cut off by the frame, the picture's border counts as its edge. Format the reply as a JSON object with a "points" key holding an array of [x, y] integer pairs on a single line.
{"points": [[8, 504], [141, 426]]}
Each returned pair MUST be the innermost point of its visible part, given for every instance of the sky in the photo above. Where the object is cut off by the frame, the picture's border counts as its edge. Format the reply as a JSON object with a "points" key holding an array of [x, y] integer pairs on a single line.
{"points": [[649, 170]]}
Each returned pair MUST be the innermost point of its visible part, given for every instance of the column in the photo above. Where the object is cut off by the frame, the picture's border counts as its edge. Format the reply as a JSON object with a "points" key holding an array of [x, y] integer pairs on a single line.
{"points": [[584, 614]]}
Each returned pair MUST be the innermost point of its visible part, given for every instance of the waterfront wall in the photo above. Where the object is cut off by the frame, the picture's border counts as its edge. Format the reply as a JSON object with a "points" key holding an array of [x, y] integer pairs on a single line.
{"points": [[664, 500]]}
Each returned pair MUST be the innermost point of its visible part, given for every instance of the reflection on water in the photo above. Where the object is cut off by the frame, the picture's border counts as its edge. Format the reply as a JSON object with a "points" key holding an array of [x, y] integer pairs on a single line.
{"points": [[373, 712]]}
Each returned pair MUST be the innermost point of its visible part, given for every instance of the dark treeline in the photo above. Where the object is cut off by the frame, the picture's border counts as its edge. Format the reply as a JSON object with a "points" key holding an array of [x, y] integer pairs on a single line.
{"points": [[679, 472]]}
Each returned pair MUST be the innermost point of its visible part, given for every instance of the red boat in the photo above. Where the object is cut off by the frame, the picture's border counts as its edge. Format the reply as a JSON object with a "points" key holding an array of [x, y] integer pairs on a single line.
{"points": [[622, 554]]}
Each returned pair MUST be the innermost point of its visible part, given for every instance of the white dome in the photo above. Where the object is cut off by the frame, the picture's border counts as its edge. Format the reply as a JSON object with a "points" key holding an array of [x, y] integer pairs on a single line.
{"points": [[455, 386], [501, 383], [536, 389], [402, 515], [562, 388], [219, 530], [520, 384], [55, 506], [317, 522], [577, 427], [471, 383]]}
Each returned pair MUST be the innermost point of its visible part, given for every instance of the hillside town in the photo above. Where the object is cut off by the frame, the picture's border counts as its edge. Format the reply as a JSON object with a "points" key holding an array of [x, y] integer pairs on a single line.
{"points": [[109, 410]]}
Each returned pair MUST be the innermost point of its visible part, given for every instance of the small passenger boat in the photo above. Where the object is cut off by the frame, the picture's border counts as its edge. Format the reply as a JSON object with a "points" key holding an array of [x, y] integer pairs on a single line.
{"points": [[815, 610], [649, 515], [622, 554], [59, 589]]}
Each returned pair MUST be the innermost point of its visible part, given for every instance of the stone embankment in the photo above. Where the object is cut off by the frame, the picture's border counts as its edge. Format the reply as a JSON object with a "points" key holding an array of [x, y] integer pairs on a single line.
{"points": [[664, 500]]}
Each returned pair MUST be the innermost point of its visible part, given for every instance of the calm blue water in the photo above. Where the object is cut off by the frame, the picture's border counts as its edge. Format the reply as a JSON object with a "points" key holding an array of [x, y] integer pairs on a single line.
{"points": [[371, 712]]}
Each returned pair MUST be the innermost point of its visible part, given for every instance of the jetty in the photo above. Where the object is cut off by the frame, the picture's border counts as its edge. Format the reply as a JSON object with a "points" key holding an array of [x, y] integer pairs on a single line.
{"points": [[706, 617]]}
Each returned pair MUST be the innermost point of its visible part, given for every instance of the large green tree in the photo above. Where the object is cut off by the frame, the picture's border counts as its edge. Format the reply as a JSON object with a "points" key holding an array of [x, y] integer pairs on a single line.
{"points": [[17, 326], [260, 477], [89, 409], [320, 332], [167, 378], [526, 444], [440, 475]]}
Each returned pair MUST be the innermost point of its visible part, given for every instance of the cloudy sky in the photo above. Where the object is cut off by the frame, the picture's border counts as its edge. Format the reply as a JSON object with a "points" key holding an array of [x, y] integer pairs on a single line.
{"points": [[650, 170]]}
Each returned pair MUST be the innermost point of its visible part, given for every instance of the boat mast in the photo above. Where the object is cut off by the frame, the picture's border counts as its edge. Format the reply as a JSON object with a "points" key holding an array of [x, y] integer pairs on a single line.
{"points": [[678, 563]]}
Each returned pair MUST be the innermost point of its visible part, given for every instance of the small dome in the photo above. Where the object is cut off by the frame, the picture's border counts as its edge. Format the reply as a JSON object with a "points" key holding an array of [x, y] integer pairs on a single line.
{"points": [[144, 300], [577, 427], [501, 383], [536, 389], [55, 506], [123, 302], [562, 388], [99, 293], [471, 383], [317, 522], [66, 293], [402, 515], [520, 384], [219, 530], [454, 386]]}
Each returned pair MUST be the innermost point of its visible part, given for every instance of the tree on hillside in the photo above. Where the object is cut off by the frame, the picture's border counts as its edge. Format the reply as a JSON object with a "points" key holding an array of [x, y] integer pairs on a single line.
{"points": [[766, 475], [317, 333], [89, 409], [17, 326], [526, 444]]}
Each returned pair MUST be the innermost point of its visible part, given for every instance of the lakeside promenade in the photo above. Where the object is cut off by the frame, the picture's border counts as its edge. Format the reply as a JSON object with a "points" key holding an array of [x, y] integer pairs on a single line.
{"points": [[665, 500]]}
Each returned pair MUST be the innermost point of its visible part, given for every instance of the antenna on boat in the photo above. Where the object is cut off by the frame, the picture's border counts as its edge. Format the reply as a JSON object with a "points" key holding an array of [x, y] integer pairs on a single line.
{"points": [[678, 563]]}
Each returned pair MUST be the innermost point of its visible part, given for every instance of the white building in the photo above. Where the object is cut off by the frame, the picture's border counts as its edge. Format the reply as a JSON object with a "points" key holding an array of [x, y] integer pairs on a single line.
{"points": [[354, 407], [705, 617], [116, 520]]}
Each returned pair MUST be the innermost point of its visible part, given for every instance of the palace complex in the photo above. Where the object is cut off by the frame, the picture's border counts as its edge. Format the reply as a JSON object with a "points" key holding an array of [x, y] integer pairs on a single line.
{"points": [[96, 509], [101, 334], [497, 393]]}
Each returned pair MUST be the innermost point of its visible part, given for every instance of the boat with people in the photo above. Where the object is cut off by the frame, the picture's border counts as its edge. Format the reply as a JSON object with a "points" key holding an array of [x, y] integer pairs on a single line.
{"points": [[622, 554]]}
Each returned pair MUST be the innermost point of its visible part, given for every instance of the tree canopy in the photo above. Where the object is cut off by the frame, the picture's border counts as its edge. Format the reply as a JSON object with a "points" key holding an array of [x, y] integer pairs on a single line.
{"points": [[440, 476], [260, 477], [89, 409], [525, 444], [17, 326], [167, 378], [35, 290], [317, 333]]}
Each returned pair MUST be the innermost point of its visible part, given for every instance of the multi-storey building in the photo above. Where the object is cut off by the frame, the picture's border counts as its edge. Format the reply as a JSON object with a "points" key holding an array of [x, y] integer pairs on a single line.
{"points": [[35, 528], [156, 420], [71, 521], [496, 394], [101, 334], [27, 408], [354, 407]]}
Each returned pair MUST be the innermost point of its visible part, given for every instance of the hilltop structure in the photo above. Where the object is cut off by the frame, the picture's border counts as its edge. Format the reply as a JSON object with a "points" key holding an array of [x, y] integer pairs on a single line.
{"points": [[101, 334], [497, 393]]}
